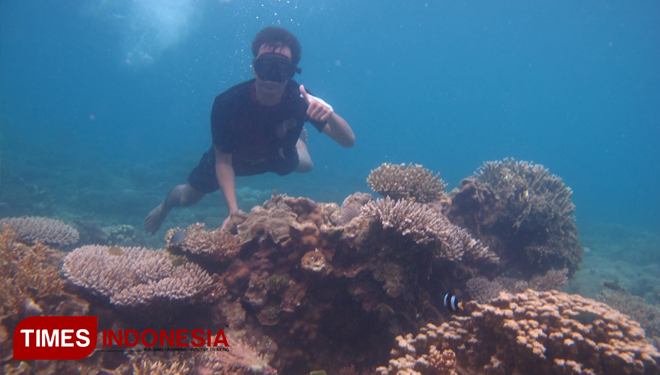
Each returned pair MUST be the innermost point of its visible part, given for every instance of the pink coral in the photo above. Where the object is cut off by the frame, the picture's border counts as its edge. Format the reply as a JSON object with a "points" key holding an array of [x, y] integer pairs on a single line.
{"points": [[31, 229], [240, 358], [132, 276]]}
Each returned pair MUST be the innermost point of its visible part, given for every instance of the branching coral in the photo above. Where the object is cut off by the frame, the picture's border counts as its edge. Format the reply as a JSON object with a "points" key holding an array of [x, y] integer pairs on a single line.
{"points": [[411, 182], [413, 220], [216, 244], [134, 276], [32, 229], [424, 225], [240, 358], [31, 284], [522, 212], [550, 332]]}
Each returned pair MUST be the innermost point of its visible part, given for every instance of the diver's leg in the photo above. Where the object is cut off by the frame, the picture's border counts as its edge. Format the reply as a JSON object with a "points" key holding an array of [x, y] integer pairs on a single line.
{"points": [[306, 164], [180, 196]]}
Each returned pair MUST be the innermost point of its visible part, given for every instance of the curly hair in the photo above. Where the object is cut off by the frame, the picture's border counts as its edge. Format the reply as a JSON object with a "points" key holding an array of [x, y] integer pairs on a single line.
{"points": [[277, 37]]}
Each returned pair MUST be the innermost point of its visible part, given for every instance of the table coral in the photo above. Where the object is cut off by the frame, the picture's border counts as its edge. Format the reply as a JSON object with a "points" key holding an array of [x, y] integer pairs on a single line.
{"points": [[411, 182], [133, 276], [32, 229], [540, 332]]}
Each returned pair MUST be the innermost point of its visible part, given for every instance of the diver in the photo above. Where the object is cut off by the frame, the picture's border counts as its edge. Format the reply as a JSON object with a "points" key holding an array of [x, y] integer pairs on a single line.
{"points": [[257, 127]]}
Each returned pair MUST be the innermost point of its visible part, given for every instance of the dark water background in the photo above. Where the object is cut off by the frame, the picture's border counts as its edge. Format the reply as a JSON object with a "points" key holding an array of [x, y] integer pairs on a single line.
{"points": [[104, 105]]}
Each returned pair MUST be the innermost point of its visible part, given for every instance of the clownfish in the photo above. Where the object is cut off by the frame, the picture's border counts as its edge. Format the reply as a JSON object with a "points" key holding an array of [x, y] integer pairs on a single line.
{"points": [[452, 303]]}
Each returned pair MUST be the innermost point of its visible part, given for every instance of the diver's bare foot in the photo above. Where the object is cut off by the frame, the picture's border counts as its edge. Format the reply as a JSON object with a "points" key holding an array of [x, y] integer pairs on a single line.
{"points": [[155, 219]]}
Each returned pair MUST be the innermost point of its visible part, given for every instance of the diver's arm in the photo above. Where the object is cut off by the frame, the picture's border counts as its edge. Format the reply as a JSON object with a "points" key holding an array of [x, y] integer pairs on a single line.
{"points": [[338, 129], [224, 172]]}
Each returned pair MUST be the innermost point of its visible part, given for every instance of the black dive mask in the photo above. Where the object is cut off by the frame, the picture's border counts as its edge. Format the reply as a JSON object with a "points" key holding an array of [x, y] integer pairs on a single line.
{"points": [[274, 67]]}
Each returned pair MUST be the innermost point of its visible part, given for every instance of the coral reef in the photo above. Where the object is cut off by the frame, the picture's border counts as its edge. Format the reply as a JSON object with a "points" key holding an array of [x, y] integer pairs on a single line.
{"points": [[411, 182], [217, 245], [482, 290], [134, 276], [298, 275], [424, 225], [31, 285], [351, 207], [647, 315], [32, 229], [240, 359], [522, 212], [539, 332]]}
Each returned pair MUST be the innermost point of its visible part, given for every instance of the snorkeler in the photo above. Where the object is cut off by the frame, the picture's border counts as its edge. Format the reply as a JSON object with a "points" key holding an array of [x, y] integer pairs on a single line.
{"points": [[256, 127]]}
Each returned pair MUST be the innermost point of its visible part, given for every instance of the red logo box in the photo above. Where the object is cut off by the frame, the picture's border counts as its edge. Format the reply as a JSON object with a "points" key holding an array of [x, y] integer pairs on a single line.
{"points": [[55, 337]]}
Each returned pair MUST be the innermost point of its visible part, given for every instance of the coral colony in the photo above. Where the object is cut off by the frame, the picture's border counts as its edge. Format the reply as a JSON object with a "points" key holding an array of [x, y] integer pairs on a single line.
{"points": [[299, 286]]}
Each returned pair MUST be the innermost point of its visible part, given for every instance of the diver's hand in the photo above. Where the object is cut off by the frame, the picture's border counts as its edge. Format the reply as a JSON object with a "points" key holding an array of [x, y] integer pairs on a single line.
{"points": [[224, 224], [318, 109]]}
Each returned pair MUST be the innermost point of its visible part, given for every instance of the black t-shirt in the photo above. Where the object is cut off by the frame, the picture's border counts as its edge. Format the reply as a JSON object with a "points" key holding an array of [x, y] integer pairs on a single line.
{"points": [[252, 132]]}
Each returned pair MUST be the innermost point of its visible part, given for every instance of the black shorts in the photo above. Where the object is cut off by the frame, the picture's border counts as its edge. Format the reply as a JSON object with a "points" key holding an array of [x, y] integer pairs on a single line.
{"points": [[203, 179]]}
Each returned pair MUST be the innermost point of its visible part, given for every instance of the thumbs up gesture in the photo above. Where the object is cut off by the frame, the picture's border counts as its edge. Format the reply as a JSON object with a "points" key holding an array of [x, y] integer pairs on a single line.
{"points": [[317, 109]]}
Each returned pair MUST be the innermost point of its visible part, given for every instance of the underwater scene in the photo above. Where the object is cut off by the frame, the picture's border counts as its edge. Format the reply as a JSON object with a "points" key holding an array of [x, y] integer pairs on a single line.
{"points": [[474, 191]]}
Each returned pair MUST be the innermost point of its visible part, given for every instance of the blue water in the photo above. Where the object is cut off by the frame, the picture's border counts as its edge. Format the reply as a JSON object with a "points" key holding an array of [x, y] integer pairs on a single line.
{"points": [[574, 86]]}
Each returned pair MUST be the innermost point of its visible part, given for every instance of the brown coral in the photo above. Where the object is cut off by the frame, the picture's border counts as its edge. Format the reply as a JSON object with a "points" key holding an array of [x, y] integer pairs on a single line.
{"points": [[550, 332], [32, 229], [216, 244], [647, 315], [411, 182], [522, 212], [31, 285], [134, 276]]}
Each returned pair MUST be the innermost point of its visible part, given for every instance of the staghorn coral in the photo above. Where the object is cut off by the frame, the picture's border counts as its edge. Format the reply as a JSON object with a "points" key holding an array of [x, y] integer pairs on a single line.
{"points": [[240, 359], [32, 229], [522, 212], [411, 182], [31, 285], [133, 276], [424, 225], [550, 332], [216, 244]]}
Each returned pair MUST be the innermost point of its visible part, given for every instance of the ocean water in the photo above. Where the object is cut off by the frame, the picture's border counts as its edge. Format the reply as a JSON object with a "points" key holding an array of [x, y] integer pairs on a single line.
{"points": [[105, 105]]}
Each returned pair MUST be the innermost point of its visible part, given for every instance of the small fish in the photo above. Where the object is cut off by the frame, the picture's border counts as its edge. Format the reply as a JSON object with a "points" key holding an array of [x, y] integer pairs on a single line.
{"points": [[611, 285], [178, 237], [452, 303], [585, 317], [114, 250]]}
